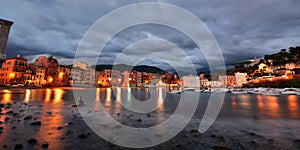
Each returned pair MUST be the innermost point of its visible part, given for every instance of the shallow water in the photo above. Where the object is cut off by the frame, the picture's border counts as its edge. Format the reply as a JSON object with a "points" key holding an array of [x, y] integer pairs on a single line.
{"points": [[268, 117]]}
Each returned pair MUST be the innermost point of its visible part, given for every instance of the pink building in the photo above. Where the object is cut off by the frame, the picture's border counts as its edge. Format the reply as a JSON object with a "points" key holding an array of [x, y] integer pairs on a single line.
{"points": [[50, 63]]}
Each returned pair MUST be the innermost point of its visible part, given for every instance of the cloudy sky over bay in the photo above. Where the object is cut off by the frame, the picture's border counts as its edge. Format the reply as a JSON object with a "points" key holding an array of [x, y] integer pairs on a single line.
{"points": [[243, 29]]}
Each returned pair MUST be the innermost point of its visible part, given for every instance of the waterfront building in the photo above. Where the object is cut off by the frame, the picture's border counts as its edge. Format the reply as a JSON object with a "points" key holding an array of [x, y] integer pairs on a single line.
{"points": [[135, 79], [215, 83], [240, 78], [227, 80], [125, 82], [109, 77], [191, 81], [63, 78], [13, 70], [83, 74], [50, 63]]}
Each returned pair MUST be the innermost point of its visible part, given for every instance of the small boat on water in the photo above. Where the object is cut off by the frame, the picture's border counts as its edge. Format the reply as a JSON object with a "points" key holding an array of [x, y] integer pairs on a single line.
{"points": [[175, 92], [189, 89], [289, 91], [271, 94], [238, 91]]}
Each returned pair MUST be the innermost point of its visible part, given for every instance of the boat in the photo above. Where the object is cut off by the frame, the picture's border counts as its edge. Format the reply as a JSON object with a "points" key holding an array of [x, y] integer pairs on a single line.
{"points": [[175, 92], [189, 89], [289, 91], [240, 91], [271, 94]]}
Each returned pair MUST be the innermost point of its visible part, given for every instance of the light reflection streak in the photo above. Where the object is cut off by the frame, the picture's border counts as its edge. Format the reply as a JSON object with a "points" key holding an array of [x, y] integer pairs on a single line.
{"points": [[293, 106], [7, 97], [48, 95], [58, 94], [27, 96]]}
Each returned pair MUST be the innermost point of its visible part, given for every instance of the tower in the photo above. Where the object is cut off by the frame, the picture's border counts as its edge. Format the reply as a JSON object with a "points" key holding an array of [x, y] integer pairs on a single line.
{"points": [[4, 32]]}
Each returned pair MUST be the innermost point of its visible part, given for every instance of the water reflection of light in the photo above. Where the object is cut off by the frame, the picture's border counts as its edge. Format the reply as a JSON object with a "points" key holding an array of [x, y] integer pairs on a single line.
{"points": [[160, 96], [118, 94], [260, 102], [7, 97], [245, 101], [129, 94], [233, 102], [118, 98], [48, 95], [273, 106], [27, 95], [97, 95], [293, 106], [58, 94], [108, 95]]}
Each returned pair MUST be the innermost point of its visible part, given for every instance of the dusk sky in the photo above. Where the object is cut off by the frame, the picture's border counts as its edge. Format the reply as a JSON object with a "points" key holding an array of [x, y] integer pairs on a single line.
{"points": [[243, 29]]}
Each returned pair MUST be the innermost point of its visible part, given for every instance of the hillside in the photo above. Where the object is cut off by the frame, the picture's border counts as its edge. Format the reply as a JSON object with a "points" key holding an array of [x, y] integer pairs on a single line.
{"points": [[123, 67]]}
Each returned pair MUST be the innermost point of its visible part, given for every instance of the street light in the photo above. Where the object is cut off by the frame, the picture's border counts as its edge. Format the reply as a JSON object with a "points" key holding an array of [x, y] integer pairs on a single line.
{"points": [[60, 75]]}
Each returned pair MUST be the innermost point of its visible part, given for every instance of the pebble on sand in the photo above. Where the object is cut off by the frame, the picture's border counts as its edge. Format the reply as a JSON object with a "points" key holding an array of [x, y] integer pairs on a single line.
{"points": [[32, 141], [19, 146], [45, 145], [28, 117], [221, 148], [38, 123], [82, 136], [195, 133]]}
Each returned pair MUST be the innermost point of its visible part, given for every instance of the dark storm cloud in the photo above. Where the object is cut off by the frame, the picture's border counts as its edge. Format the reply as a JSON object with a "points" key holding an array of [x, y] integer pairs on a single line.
{"points": [[243, 29]]}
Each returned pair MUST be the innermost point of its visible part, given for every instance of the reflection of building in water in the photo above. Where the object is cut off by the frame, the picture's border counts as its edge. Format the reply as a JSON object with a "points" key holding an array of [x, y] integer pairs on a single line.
{"points": [[58, 95], [4, 33]]}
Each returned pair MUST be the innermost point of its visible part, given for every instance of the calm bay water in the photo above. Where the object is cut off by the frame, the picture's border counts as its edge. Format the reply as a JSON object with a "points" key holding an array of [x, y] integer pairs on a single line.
{"points": [[275, 117]]}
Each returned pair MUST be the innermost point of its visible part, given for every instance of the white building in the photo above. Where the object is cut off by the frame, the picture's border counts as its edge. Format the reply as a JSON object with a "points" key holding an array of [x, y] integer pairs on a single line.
{"points": [[191, 81], [83, 74], [215, 83], [240, 78]]}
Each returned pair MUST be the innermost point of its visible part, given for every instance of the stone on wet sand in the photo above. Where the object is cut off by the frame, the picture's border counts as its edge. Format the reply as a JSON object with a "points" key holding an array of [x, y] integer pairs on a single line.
{"points": [[195, 133], [74, 105], [9, 112], [139, 120], [82, 136], [148, 115], [28, 117], [221, 148], [69, 132], [37, 123], [202, 143], [32, 141], [6, 119], [19, 146], [45, 145]]}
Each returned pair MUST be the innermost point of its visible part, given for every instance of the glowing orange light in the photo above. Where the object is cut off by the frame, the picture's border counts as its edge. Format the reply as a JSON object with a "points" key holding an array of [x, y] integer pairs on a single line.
{"points": [[50, 79], [60, 75], [12, 75]]}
